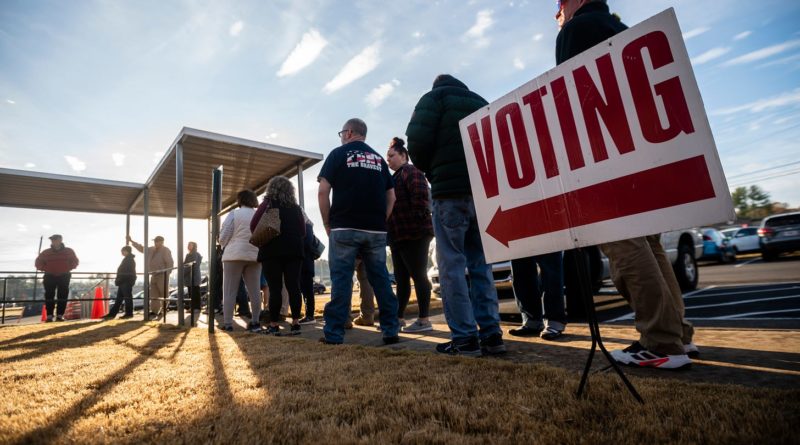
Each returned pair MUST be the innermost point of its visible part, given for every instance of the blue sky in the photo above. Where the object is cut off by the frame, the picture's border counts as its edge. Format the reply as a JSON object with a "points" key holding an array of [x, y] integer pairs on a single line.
{"points": [[101, 88]]}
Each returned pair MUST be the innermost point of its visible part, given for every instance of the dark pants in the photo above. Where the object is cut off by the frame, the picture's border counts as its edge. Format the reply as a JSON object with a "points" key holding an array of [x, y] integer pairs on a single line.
{"points": [[410, 259], [194, 295], [51, 284], [125, 292], [307, 285], [280, 270], [528, 290], [242, 300]]}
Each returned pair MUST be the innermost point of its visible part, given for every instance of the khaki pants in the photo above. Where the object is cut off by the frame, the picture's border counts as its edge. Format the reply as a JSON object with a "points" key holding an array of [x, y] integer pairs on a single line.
{"points": [[644, 277], [158, 289]]}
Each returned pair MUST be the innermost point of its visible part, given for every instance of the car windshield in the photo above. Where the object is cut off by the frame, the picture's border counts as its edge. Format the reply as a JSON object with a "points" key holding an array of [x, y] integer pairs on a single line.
{"points": [[783, 220]]}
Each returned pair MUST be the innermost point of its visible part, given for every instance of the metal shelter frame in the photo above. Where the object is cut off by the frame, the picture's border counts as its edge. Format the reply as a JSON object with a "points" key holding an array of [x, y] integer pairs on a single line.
{"points": [[187, 182]]}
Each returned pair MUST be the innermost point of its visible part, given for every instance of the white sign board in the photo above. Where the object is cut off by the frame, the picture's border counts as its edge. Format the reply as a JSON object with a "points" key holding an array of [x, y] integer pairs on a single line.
{"points": [[610, 145]]}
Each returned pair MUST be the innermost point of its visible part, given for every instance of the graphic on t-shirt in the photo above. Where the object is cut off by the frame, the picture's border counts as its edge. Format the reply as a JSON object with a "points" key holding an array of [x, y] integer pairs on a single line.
{"points": [[360, 159]]}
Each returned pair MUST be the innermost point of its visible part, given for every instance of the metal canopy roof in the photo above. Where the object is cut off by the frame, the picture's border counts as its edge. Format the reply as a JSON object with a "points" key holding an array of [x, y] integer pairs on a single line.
{"points": [[246, 164]]}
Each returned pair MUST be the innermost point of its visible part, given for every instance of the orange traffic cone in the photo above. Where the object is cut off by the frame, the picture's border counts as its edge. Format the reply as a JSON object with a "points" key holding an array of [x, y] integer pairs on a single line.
{"points": [[98, 308], [44, 313]]}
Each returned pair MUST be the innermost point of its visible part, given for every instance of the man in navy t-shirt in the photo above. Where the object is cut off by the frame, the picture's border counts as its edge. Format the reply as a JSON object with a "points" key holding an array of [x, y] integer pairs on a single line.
{"points": [[363, 197]]}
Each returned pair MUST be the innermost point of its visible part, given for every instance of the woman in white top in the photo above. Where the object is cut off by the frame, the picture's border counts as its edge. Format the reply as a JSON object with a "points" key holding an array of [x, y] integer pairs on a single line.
{"points": [[240, 260]]}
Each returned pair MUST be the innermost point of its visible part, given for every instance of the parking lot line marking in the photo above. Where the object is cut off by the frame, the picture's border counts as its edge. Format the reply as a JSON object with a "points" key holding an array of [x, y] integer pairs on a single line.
{"points": [[746, 263], [697, 291], [734, 303], [749, 319], [621, 318], [731, 317], [742, 292]]}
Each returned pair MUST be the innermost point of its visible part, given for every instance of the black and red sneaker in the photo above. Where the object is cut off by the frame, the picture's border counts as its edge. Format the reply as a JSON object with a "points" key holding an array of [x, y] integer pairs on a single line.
{"points": [[638, 355]]}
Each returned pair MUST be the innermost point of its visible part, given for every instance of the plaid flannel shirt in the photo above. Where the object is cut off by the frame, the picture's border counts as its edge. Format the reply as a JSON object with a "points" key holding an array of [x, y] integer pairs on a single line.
{"points": [[411, 215]]}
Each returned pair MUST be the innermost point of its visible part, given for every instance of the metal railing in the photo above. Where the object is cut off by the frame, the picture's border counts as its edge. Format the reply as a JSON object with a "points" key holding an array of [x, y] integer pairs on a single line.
{"points": [[103, 279]]}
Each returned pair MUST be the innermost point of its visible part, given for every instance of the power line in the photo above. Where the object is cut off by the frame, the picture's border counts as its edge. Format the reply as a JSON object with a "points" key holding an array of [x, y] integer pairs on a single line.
{"points": [[763, 170], [765, 178]]}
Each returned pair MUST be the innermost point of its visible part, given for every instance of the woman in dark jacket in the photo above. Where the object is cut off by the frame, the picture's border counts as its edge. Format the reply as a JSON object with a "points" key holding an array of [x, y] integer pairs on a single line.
{"points": [[126, 278], [410, 233], [282, 257]]}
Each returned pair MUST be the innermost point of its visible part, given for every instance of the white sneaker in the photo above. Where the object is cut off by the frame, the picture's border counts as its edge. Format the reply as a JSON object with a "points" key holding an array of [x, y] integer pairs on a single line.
{"points": [[418, 326], [637, 355], [691, 350]]}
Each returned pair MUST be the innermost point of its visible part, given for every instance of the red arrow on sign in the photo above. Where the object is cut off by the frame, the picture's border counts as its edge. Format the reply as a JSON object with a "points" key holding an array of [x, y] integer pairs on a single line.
{"points": [[661, 187]]}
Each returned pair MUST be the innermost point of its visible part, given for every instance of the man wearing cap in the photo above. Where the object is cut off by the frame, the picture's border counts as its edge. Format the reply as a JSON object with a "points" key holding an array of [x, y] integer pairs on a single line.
{"points": [[56, 262], [639, 266], [159, 257]]}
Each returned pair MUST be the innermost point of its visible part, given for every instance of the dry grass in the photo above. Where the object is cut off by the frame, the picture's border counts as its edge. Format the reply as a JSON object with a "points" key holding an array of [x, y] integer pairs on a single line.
{"points": [[128, 382]]}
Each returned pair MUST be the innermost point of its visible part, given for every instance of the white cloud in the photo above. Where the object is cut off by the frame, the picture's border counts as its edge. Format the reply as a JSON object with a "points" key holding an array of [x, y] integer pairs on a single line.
{"points": [[538, 37], [415, 51], [118, 158], [237, 28], [366, 61], [695, 32], [763, 53], [304, 54], [710, 55], [483, 21], [417, 34], [781, 61], [518, 63], [30, 165], [742, 35], [75, 163], [47, 226], [157, 157], [272, 135], [787, 98], [379, 94], [10, 101], [22, 227]]}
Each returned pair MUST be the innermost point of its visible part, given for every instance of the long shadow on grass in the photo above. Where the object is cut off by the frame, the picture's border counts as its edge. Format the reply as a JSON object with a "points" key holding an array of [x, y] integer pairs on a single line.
{"points": [[50, 432], [56, 329], [71, 342]]}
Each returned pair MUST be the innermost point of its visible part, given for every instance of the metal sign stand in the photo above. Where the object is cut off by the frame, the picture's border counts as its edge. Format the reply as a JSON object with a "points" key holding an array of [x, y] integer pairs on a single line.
{"points": [[594, 329]]}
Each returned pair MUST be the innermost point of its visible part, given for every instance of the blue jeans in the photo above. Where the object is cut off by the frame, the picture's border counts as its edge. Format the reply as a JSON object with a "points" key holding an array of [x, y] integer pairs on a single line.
{"points": [[344, 246], [528, 289], [467, 307]]}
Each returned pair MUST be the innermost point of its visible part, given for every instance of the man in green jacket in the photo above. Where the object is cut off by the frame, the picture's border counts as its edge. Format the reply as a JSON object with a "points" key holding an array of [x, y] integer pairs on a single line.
{"points": [[435, 147]]}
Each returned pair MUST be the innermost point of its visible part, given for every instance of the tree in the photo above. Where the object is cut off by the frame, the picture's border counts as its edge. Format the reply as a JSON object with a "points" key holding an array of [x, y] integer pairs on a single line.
{"points": [[752, 202]]}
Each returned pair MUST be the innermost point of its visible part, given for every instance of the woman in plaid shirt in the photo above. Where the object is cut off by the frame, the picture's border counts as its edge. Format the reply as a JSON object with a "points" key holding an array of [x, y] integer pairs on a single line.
{"points": [[410, 233]]}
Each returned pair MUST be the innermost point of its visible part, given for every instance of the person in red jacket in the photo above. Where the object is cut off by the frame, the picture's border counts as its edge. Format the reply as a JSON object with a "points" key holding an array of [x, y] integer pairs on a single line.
{"points": [[56, 263]]}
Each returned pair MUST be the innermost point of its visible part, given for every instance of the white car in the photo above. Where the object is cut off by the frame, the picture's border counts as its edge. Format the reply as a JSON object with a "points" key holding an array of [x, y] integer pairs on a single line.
{"points": [[743, 239]]}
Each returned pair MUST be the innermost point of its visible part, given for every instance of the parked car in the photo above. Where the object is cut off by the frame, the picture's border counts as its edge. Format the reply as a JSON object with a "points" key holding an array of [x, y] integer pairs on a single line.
{"points": [[779, 234], [319, 288], [743, 239], [716, 246], [172, 300]]}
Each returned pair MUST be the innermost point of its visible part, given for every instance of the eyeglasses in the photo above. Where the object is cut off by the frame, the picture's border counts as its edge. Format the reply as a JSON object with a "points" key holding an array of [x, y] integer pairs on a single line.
{"points": [[343, 132]]}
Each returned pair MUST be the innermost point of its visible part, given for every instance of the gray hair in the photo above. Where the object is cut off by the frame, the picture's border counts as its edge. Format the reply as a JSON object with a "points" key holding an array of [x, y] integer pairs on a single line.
{"points": [[281, 191], [357, 126]]}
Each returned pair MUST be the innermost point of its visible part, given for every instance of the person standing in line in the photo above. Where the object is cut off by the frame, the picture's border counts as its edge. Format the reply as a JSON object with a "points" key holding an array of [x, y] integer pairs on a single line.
{"points": [[435, 147], [307, 273], [366, 315], [355, 220], [240, 261], [56, 263], [192, 278], [532, 287], [282, 257], [159, 258], [410, 234], [126, 278], [639, 266]]}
